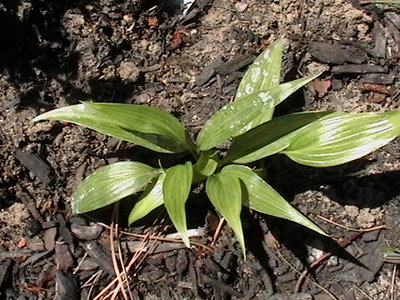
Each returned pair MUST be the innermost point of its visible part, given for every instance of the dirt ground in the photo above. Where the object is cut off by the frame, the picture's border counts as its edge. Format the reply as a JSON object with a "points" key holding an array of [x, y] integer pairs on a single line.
{"points": [[189, 62]]}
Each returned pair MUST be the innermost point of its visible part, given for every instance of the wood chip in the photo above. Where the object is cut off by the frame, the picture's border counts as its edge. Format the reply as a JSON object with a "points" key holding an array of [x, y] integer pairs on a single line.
{"points": [[378, 78], [376, 97], [358, 69], [66, 287], [380, 40], [49, 238], [233, 65], [64, 258], [35, 164], [336, 53], [82, 232], [394, 18], [221, 286], [63, 230], [379, 88], [100, 256]]}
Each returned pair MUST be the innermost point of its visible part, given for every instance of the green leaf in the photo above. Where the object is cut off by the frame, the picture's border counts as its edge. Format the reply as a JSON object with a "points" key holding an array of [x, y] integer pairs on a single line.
{"points": [[236, 117], [150, 199], [111, 183], [264, 73], [340, 138], [277, 94], [260, 196], [225, 193], [146, 126], [269, 138], [176, 189], [205, 166]]}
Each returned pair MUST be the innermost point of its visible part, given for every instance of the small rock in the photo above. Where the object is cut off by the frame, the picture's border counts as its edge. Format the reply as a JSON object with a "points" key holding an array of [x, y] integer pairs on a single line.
{"points": [[351, 210], [128, 71], [240, 7]]}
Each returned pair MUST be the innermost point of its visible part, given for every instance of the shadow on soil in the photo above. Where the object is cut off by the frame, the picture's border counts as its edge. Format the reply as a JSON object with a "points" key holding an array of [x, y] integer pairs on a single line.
{"points": [[36, 50], [348, 184]]}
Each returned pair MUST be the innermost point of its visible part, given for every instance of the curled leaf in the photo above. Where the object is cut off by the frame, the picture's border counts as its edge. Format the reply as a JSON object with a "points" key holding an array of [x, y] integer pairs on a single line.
{"points": [[150, 199], [205, 166]]}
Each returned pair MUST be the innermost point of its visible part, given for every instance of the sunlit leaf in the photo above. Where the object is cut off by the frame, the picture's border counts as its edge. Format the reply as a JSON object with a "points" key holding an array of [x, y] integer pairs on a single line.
{"points": [[278, 94], [225, 194], [260, 196], [264, 73], [150, 199], [146, 126], [340, 138], [235, 118], [269, 138], [176, 189], [111, 183]]}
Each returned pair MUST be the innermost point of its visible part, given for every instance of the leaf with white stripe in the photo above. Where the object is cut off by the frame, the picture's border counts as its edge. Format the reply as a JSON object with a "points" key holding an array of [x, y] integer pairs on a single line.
{"points": [[341, 138]]}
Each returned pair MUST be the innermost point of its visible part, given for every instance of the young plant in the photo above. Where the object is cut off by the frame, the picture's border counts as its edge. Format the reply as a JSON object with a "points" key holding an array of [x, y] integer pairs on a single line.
{"points": [[318, 139]]}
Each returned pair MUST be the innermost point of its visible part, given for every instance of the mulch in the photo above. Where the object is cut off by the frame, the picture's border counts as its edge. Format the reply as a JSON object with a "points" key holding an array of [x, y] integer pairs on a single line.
{"points": [[54, 54]]}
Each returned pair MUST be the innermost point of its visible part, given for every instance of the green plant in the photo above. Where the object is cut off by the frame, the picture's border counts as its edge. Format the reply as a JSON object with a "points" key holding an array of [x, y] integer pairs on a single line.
{"points": [[318, 139]]}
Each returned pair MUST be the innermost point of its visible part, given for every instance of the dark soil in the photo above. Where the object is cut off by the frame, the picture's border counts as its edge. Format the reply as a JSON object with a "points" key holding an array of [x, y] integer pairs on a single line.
{"points": [[189, 63]]}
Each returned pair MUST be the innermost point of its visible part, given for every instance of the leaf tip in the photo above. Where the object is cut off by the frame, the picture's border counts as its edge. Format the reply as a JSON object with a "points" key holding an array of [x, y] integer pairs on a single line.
{"points": [[185, 238]]}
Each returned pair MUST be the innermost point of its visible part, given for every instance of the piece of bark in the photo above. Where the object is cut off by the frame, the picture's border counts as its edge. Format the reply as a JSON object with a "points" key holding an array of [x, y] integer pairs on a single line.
{"points": [[393, 30], [82, 232], [100, 256], [63, 230], [35, 244], [33, 258], [208, 71], [378, 78], [376, 97], [221, 286], [66, 287], [64, 258], [29, 202], [4, 266], [233, 65], [358, 69], [336, 53], [394, 18], [378, 88], [380, 40], [49, 238], [36, 165], [133, 246]]}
